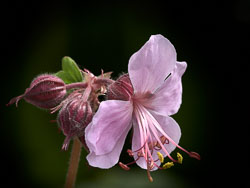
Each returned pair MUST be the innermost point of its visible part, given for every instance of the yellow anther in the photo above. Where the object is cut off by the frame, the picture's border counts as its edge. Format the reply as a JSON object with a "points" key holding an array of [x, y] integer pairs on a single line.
{"points": [[160, 156], [168, 165], [180, 158]]}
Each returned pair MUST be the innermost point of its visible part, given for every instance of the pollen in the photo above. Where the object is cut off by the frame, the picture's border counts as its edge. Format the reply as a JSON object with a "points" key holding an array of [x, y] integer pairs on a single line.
{"points": [[168, 165], [180, 158], [160, 156]]}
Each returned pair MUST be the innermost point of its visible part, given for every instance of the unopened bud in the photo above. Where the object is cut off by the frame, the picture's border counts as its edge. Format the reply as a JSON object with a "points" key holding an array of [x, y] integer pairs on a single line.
{"points": [[45, 91], [73, 118], [121, 89]]}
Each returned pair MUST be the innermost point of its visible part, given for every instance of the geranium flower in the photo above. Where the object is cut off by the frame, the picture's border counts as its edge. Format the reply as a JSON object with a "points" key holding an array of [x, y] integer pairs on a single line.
{"points": [[144, 99]]}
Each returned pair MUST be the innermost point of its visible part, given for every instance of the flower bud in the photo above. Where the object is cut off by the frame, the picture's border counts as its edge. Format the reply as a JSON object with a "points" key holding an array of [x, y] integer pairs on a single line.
{"points": [[121, 89], [45, 91], [73, 118]]}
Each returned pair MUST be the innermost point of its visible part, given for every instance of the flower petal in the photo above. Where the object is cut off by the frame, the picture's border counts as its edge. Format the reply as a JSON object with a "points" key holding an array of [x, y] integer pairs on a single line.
{"points": [[110, 159], [149, 66], [136, 144], [171, 128], [112, 119], [167, 99]]}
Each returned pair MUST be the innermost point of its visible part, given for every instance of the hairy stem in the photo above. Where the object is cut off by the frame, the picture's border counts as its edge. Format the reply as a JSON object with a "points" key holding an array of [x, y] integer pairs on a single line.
{"points": [[73, 164], [76, 85]]}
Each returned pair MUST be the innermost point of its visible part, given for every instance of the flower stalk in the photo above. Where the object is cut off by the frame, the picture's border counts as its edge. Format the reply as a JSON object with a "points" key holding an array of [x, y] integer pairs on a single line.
{"points": [[73, 164], [76, 85]]}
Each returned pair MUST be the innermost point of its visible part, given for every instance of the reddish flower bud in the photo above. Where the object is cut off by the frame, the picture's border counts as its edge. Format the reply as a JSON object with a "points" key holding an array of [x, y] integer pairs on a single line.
{"points": [[121, 89], [45, 91], [73, 118]]}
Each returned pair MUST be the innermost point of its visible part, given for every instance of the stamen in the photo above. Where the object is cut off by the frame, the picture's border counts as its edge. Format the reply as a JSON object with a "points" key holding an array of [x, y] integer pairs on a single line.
{"points": [[180, 158], [164, 140], [148, 173], [123, 166], [157, 146], [162, 147], [142, 129], [126, 165], [168, 165], [157, 165], [144, 114], [151, 145], [160, 156], [159, 128], [140, 154], [195, 155], [151, 166], [130, 152]]}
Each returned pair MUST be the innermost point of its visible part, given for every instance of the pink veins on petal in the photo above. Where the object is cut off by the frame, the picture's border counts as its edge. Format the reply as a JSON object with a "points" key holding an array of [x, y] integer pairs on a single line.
{"points": [[155, 90]]}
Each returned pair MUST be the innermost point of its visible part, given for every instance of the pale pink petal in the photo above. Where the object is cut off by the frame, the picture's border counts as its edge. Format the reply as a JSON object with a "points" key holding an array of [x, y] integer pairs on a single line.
{"points": [[149, 66], [109, 159], [112, 119], [136, 144], [168, 98]]}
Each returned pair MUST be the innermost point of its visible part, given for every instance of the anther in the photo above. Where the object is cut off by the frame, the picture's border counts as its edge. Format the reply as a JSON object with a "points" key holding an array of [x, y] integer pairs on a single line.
{"points": [[195, 155], [123, 166], [180, 158], [163, 139], [130, 153], [157, 146], [151, 145], [140, 154], [160, 156], [168, 165]]}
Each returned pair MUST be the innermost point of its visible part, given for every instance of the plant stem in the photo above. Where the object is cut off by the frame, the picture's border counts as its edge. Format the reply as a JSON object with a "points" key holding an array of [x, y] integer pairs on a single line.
{"points": [[76, 85], [73, 163]]}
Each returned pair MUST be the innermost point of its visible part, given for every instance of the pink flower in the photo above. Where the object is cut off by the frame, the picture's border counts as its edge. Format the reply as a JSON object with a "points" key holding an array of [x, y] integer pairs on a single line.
{"points": [[153, 94]]}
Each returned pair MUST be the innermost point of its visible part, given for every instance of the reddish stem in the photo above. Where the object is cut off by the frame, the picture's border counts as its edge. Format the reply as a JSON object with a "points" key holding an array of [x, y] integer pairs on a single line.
{"points": [[73, 164], [76, 85]]}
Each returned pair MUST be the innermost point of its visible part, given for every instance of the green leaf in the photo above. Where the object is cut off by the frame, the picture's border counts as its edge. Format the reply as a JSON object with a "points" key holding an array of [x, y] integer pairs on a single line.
{"points": [[65, 77], [69, 66], [70, 71]]}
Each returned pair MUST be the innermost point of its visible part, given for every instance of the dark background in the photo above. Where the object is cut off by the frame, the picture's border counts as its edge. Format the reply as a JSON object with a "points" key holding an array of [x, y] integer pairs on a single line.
{"points": [[212, 37]]}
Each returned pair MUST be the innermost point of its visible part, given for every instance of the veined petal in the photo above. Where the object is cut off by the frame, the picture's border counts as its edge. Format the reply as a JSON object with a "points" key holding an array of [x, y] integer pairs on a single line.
{"points": [[137, 143], [167, 99], [149, 66], [112, 119], [171, 128], [109, 159]]}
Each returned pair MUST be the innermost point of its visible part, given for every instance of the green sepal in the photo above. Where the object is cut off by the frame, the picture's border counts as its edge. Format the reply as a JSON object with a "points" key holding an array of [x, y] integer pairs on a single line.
{"points": [[70, 71]]}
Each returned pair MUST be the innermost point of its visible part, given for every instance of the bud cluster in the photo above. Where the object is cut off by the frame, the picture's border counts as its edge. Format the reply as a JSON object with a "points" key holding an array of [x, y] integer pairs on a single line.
{"points": [[76, 102]]}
